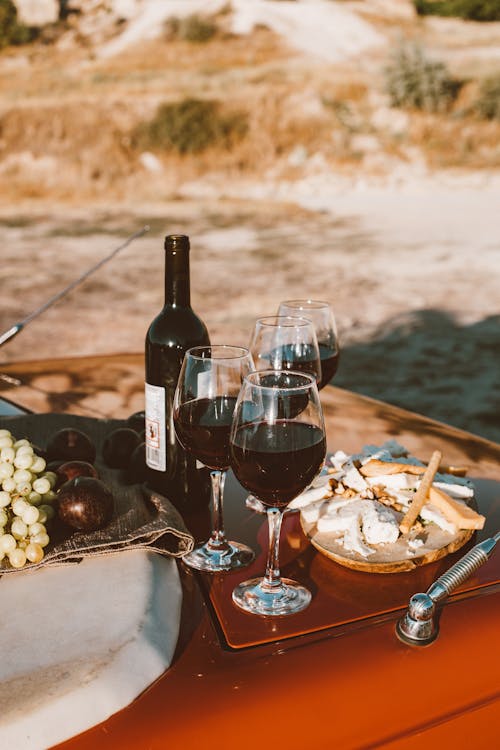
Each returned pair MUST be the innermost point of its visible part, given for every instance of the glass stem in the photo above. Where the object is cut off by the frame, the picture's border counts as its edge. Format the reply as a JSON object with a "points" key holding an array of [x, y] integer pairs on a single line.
{"points": [[217, 537], [272, 578]]}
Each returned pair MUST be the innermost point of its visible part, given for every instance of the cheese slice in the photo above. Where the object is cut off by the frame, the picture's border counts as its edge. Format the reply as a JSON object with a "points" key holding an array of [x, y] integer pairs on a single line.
{"points": [[458, 513]]}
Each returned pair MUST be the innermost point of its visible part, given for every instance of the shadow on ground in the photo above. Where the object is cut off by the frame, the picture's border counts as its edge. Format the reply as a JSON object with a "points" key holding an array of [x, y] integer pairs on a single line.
{"points": [[427, 363]]}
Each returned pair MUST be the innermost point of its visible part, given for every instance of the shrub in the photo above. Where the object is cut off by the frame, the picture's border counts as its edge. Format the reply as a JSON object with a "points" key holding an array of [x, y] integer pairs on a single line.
{"points": [[473, 10], [487, 104], [412, 80], [190, 126], [193, 28], [12, 32]]}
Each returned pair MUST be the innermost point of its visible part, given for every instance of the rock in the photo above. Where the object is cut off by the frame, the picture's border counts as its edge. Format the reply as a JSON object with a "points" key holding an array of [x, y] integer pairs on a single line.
{"points": [[150, 162], [37, 12]]}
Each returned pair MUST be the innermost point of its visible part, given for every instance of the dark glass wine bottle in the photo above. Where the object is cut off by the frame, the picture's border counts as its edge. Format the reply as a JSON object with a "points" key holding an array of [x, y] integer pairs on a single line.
{"points": [[171, 471]]}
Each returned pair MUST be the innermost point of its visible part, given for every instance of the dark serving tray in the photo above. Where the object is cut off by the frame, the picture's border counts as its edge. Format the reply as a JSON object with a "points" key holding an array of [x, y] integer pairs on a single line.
{"points": [[341, 597]]}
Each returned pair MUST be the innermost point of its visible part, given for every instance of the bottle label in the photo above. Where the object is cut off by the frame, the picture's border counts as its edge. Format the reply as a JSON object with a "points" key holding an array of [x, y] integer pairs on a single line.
{"points": [[156, 443]]}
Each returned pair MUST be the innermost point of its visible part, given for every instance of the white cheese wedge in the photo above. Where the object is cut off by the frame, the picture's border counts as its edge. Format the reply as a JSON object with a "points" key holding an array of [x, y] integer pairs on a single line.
{"points": [[310, 496], [393, 481], [379, 524], [338, 459], [459, 491], [311, 512], [430, 513], [339, 515], [353, 540], [353, 479]]}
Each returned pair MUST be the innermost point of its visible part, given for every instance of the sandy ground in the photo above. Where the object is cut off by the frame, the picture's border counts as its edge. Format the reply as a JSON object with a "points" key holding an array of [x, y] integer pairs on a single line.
{"points": [[413, 276]]}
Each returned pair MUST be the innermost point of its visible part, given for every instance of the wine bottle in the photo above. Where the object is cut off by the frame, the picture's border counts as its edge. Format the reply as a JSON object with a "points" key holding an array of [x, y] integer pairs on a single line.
{"points": [[171, 471]]}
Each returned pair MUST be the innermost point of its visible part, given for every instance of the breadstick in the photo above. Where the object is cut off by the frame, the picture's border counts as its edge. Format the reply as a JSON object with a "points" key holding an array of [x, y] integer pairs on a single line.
{"points": [[421, 493]]}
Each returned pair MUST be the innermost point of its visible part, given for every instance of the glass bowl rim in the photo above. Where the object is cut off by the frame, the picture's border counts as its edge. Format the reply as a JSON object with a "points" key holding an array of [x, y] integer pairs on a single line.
{"points": [[243, 352]]}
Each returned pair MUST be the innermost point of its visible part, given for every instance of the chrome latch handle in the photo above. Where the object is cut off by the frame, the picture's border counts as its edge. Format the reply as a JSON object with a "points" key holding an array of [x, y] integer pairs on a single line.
{"points": [[418, 626]]}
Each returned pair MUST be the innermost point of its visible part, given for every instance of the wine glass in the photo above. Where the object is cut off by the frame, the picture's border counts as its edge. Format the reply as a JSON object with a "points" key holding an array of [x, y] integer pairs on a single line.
{"points": [[276, 451], [204, 401], [321, 315], [285, 342]]}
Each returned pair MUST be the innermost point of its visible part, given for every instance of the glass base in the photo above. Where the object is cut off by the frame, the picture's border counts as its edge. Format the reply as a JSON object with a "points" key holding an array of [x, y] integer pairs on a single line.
{"points": [[289, 598], [209, 559]]}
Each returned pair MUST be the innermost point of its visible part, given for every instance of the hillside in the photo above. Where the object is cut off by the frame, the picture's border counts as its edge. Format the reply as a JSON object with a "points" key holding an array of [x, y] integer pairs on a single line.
{"points": [[306, 78]]}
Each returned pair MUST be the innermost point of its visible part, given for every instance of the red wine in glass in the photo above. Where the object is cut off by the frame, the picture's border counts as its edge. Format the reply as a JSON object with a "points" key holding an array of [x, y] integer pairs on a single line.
{"points": [[204, 401], [329, 363], [203, 426], [284, 342], [276, 451], [276, 460], [321, 316]]}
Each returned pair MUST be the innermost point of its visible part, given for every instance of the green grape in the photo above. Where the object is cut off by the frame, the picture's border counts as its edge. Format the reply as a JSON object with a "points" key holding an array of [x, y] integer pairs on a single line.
{"points": [[34, 498], [38, 465], [6, 470], [25, 487], [41, 485], [34, 552], [23, 460], [8, 485], [17, 558], [22, 475], [19, 506], [31, 515], [19, 443], [8, 455], [7, 543], [49, 497], [4, 499], [18, 528], [37, 528], [51, 476], [48, 511]]}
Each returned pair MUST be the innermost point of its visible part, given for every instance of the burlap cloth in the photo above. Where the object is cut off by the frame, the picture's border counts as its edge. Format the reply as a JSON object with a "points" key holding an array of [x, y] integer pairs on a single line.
{"points": [[141, 519]]}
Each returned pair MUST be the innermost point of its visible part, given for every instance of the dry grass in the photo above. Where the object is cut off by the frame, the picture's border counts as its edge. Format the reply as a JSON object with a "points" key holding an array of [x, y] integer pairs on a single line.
{"points": [[55, 100]]}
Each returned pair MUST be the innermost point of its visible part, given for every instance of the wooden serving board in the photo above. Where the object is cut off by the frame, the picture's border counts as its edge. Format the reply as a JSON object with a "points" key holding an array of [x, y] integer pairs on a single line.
{"points": [[388, 558], [355, 562]]}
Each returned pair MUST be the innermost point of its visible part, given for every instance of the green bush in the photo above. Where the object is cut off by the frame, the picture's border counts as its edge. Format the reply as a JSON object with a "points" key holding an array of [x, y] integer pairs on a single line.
{"points": [[190, 126], [487, 104], [192, 28], [473, 10], [12, 32], [412, 80]]}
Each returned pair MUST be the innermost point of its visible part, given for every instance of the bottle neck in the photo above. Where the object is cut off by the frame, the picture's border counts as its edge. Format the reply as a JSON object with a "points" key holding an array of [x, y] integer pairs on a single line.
{"points": [[177, 286]]}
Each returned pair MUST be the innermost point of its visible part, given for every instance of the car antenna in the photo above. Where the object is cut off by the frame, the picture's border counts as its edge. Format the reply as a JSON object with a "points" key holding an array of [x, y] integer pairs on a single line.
{"points": [[14, 330]]}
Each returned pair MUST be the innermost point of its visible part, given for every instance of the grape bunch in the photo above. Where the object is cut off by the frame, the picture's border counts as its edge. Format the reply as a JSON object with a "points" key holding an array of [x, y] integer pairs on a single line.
{"points": [[26, 497]]}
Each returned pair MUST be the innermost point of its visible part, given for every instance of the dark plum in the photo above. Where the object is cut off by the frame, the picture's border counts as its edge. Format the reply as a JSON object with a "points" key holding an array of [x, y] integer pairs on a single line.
{"points": [[136, 470], [70, 444], [137, 421], [85, 504], [71, 469], [54, 465], [118, 447]]}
